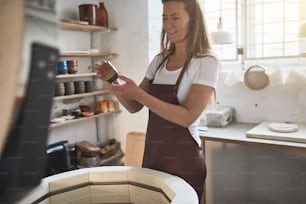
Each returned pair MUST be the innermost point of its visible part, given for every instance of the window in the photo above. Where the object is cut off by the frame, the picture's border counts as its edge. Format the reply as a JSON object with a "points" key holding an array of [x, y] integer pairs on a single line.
{"points": [[263, 28]]}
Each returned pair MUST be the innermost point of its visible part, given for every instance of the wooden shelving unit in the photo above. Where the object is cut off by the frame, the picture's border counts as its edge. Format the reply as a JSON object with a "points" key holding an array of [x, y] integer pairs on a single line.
{"points": [[80, 75], [71, 25], [85, 28], [94, 93], [85, 54], [82, 119]]}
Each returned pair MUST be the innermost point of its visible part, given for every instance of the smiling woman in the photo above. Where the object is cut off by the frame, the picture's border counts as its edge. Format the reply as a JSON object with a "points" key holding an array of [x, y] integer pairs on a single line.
{"points": [[176, 22], [178, 85]]}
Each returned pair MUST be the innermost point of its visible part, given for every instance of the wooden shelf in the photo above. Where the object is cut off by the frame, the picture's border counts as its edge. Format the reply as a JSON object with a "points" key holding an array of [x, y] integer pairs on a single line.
{"points": [[82, 119], [85, 28], [80, 75], [85, 54], [94, 93]]}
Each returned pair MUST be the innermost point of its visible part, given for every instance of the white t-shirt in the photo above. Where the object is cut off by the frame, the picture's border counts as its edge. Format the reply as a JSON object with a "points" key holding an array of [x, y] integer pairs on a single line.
{"points": [[204, 71]]}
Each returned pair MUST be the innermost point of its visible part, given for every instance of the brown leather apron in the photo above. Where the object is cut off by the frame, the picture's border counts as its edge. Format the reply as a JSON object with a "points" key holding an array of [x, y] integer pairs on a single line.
{"points": [[170, 147]]}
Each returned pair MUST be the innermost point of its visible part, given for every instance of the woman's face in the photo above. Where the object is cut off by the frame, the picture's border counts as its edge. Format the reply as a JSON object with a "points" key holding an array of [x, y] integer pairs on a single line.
{"points": [[175, 21]]}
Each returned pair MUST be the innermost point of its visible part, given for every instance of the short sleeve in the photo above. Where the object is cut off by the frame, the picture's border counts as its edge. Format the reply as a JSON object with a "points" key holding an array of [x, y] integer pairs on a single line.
{"points": [[206, 71], [152, 67]]}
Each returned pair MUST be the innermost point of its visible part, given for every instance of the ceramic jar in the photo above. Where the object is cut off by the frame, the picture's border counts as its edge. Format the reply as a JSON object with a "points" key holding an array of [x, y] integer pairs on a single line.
{"points": [[87, 12], [72, 66], [62, 67]]}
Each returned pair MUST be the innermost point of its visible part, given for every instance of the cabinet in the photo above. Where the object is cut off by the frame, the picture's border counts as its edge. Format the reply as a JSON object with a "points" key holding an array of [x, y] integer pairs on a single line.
{"points": [[98, 91]]}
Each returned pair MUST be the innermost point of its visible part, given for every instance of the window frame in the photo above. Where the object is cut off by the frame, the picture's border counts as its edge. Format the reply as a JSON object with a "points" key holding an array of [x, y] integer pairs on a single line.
{"points": [[242, 29]]}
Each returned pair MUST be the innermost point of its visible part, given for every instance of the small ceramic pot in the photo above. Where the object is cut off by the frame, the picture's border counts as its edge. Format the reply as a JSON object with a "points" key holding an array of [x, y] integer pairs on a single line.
{"points": [[72, 66], [87, 12], [84, 108], [62, 67]]}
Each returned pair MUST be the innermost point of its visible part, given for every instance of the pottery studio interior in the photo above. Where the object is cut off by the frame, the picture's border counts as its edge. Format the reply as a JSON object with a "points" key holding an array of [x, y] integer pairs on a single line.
{"points": [[66, 138]]}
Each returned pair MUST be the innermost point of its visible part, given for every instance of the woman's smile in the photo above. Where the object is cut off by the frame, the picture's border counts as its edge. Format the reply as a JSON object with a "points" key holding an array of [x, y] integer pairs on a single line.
{"points": [[175, 21]]}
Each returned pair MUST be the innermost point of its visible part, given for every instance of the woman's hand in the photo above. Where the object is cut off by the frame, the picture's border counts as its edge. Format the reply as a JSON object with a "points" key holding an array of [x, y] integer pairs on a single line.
{"points": [[126, 89], [99, 71]]}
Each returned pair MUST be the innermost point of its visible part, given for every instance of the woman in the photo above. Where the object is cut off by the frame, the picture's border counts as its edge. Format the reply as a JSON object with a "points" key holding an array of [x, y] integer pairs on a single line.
{"points": [[177, 87]]}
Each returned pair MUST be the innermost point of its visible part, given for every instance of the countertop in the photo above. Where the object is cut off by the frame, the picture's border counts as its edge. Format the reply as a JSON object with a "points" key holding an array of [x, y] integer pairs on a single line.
{"points": [[236, 133]]}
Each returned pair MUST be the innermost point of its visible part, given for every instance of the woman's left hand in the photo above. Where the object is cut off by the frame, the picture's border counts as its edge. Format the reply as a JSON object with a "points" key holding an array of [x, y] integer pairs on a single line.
{"points": [[126, 89]]}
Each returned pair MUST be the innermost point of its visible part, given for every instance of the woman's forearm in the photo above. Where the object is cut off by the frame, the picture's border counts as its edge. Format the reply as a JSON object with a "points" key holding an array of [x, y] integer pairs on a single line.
{"points": [[183, 114], [174, 113], [131, 105]]}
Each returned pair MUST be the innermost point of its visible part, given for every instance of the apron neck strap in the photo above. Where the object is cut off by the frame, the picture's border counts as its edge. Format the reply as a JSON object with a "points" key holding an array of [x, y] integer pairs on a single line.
{"points": [[179, 79]]}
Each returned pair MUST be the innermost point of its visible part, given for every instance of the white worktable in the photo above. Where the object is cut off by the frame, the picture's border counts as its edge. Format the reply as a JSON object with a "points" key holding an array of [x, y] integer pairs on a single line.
{"points": [[236, 133]]}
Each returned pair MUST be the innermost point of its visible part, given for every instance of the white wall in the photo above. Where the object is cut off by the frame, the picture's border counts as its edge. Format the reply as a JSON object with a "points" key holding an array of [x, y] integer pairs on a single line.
{"points": [[284, 99], [131, 42]]}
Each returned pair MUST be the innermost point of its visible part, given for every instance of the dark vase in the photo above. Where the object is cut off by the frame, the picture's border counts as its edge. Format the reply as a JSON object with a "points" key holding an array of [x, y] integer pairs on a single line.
{"points": [[102, 16]]}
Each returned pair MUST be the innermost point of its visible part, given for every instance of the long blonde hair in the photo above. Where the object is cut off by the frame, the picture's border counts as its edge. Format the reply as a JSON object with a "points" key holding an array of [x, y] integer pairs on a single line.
{"points": [[197, 38]]}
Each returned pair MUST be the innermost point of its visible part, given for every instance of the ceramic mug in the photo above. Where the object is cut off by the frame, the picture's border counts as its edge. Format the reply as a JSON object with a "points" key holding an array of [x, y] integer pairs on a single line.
{"points": [[72, 66], [62, 67]]}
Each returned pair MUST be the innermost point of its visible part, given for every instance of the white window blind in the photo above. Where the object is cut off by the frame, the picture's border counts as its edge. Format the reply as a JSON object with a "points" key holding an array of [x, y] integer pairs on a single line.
{"points": [[263, 28]]}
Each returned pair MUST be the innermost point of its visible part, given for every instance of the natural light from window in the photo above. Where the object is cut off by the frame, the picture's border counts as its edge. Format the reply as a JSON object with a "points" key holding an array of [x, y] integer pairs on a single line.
{"points": [[263, 28]]}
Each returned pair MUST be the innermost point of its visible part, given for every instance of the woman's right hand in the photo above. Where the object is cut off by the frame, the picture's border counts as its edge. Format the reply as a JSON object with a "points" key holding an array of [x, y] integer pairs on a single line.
{"points": [[98, 71], [106, 71]]}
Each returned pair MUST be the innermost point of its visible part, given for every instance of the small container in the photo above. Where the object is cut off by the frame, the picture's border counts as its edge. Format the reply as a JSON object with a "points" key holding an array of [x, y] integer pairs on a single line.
{"points": [[107, 72], [65, 112], [110, 105], [62, 67], [72, 66], [76, 113], [84, 108], [101, 106], [87, 12]]}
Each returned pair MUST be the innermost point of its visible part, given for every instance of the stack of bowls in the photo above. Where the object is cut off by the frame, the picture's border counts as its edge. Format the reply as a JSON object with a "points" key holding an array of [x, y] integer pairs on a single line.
{"points": [[89, 86], [69, 88], [79, 87], [59, 89]]}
